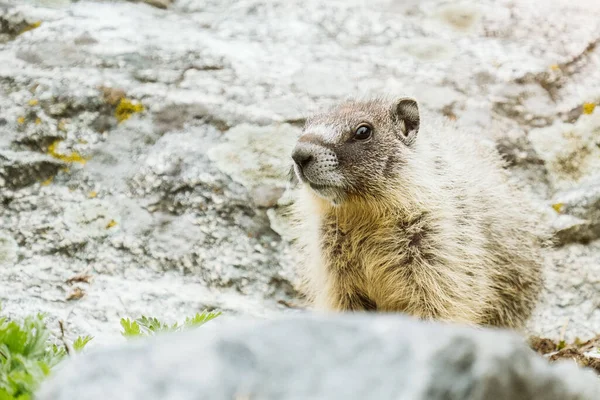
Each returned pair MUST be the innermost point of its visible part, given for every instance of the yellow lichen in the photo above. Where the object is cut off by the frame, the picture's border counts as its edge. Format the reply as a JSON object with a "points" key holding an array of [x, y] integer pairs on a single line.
{"points": [[31, 27], [21, 120], [47, 181], [557, 207], [33, 102], [71, 158], [555, 67], [38, 121], [588, 108], [111, 224], [92, 195], [126, 109]]}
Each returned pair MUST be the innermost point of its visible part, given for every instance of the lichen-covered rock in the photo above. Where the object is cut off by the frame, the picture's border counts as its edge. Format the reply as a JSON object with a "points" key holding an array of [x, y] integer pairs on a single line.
{"points": [[570, 296], [256, 156], [20, 169], [582, 201], [266, 196], [569, 229], [174, 126], [13, 24], [156, 3], [343, 357], [579, 213], [570, 151], [571, 155], [8, 249]]}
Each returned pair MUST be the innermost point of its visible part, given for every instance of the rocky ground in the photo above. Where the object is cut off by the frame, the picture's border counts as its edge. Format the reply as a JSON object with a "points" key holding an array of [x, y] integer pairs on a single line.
{"points": [[144, 145]]}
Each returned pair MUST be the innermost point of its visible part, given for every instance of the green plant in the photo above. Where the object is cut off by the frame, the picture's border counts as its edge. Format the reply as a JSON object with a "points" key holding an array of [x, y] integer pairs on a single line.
{"points": [[27, 356], [149, 326]]}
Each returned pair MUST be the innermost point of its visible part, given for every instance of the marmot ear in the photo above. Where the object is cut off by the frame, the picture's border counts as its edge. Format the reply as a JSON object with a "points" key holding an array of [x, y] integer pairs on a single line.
{"points": [[406, 109]]}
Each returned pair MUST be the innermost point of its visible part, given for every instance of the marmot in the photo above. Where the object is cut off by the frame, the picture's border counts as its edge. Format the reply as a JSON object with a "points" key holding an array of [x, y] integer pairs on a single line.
{"points": [[400, 216]]}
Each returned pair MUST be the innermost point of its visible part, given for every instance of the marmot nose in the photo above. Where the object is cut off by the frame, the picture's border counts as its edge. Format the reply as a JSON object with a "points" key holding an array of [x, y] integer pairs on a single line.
{"points": [[302, 156]]}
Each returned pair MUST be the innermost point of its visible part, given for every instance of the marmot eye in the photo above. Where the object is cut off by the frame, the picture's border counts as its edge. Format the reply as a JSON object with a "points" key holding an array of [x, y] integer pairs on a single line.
{"points": [[363, 132]]}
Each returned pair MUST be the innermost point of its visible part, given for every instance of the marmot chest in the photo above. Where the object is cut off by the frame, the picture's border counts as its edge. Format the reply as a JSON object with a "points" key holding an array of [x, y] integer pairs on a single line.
{"points": [[377, 266], [376, 245]]}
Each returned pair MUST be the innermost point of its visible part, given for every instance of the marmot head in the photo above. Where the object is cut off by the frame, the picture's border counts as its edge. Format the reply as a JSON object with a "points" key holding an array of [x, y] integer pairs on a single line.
{"points": [[357, 148]]}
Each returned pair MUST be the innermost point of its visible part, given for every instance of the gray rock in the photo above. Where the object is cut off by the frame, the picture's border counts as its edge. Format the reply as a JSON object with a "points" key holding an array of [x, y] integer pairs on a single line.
{"points": [[12, 24], [342, 357], [255, 155], [173, 117], [570, 298], [19, 169], [577, 213], [217, 76], [426, 49], [8, 249], [322, 81], [570, 229], [582, 201], [462, 17], [85, 39], [579, 210], [266, 196], [156, 3], [570, 151]]}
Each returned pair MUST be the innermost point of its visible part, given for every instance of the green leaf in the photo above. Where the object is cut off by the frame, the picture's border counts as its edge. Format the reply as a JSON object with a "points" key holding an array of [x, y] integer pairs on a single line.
{"points": [[130, 328], [4, 395], [150, 326], [25, 356], [81, 342], [54, 355], [13, 337], [201, 318]]}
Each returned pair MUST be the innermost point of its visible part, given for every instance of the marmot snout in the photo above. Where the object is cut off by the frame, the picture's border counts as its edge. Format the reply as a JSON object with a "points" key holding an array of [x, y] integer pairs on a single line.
{"points": [[395, 215]]}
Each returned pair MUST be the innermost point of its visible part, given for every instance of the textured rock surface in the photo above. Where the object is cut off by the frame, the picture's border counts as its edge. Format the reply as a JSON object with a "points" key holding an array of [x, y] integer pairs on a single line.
{"points": [[338, 358], [147, 146], [571, 152]]}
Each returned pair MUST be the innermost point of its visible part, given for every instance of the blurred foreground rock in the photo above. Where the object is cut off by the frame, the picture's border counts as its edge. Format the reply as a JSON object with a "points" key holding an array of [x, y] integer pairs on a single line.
{"points": [[342, 357]]}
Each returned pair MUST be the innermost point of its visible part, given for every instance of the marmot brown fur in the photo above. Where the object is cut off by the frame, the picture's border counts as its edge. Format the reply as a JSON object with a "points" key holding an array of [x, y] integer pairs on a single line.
{"points": [[400, 216]]}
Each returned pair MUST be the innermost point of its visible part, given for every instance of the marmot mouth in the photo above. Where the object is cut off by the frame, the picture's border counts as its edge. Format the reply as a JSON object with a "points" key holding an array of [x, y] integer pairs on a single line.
{"points": [[317, 186], [320, 188]]}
